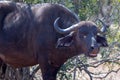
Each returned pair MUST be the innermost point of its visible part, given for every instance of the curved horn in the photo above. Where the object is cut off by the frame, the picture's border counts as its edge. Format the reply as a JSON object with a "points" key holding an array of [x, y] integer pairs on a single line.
{"points": [[63, 31], [6, 7], [104, 28]]}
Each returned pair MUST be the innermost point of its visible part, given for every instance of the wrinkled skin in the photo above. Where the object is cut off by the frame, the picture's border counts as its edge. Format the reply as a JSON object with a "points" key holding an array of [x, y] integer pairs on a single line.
{"points": [[28, 36]]}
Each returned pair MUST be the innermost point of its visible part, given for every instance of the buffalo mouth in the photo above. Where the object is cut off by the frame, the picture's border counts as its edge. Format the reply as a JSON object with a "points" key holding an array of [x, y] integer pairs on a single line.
{"points": [[93, 52]]}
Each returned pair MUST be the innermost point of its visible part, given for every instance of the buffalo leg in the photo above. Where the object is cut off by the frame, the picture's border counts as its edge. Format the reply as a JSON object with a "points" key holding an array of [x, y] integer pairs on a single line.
{"points": [[3, 68], [49, 72]]}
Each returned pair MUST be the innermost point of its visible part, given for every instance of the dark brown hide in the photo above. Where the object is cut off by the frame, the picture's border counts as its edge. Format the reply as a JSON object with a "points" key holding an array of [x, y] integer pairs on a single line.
{"points": [[28, 37]]}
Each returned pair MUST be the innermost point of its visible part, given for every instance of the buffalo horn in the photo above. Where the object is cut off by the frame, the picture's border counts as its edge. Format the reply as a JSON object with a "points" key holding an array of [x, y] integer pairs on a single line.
{"points": [[63, 31], [104, 28]]}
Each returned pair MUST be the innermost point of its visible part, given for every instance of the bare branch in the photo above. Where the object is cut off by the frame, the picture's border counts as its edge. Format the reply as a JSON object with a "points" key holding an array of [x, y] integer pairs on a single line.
{"points": [[106, 74]]}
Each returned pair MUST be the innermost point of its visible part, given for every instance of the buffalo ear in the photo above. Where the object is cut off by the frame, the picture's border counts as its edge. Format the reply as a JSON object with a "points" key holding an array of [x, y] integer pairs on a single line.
{"points": [[102, 41], [65, 41]]}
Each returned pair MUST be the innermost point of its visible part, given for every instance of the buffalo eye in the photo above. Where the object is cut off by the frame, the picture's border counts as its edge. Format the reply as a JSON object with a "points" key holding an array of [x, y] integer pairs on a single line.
{"points": [[84, 36]]}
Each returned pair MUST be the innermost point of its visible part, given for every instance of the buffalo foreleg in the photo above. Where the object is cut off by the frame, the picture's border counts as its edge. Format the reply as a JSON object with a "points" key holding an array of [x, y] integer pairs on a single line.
{"points": [[3, 69], [49, 72]]}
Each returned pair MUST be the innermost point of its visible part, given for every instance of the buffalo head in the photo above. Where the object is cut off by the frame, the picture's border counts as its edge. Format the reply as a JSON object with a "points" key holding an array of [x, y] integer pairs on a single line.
{"points": [[84, 36]]}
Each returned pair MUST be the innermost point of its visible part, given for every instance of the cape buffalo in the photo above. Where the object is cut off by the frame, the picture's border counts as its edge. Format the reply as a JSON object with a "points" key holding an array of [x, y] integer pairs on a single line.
{"points": [[45, 34]]}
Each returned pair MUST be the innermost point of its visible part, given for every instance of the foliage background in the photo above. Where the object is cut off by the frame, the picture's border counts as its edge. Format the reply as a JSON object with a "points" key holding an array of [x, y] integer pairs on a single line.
{"points": [[80, 67]]}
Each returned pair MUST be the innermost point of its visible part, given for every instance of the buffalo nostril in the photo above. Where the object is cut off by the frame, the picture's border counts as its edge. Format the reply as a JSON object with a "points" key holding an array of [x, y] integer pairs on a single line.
{"points": [[92, 48]]}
